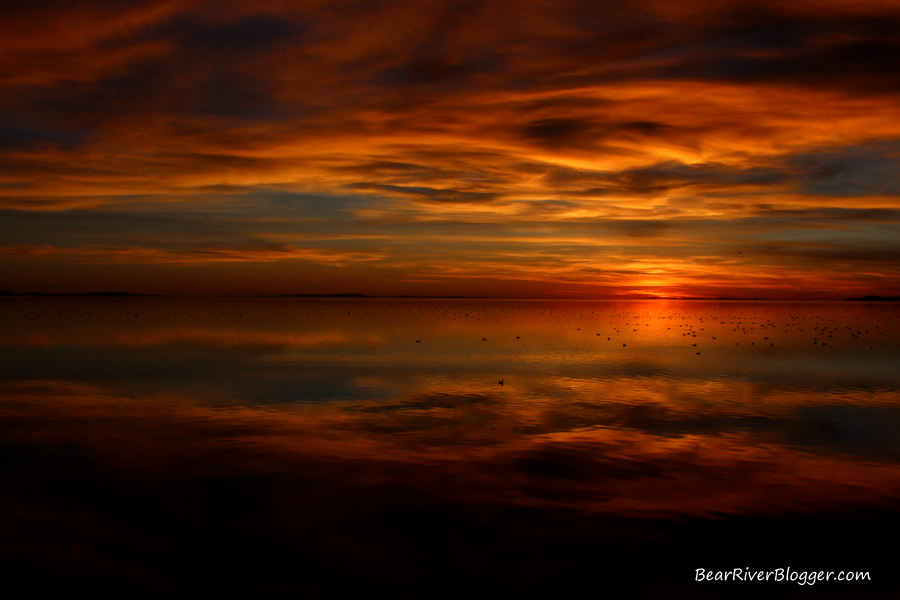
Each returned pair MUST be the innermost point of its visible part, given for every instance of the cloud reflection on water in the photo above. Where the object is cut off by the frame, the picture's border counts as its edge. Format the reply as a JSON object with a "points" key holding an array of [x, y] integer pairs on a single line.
{"points": [[333, 422]]}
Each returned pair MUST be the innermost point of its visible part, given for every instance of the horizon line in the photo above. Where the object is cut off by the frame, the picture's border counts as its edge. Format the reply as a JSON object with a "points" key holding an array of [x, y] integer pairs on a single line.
{"points": [[123, 294]]}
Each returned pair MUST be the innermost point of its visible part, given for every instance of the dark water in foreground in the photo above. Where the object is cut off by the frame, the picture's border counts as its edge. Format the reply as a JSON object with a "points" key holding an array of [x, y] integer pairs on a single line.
{"points": [[306, 449]]}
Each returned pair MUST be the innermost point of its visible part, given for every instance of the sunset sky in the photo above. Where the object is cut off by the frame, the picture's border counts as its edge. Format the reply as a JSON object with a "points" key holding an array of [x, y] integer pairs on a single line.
{"points": [[496, 148]]}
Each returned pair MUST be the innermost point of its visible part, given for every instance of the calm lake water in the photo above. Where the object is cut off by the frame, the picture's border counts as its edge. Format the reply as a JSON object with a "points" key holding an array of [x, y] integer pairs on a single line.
{"points": [[447, 448]]}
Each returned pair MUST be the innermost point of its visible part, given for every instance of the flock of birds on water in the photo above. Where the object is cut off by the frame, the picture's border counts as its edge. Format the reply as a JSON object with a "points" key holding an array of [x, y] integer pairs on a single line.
{"points": [[859, 326]]}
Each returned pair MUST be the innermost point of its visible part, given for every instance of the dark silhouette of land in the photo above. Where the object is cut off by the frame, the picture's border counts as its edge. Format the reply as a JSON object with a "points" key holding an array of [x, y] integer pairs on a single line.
{"points": [[121, 294], [700, 298], [77, 294], [370, 296], [875, 299], [321, 296]]}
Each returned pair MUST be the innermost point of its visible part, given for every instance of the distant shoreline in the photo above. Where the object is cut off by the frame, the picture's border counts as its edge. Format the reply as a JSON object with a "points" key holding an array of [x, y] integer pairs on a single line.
{"points": [[875, 299], [82, 294], [119, 294]]}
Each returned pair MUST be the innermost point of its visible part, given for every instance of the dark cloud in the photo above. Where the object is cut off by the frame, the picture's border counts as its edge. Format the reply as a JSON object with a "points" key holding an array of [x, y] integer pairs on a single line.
{"points": [[234, 41], [555, 132], [89, 104], [17, 137], [437, 71], [427, 194], [845, 54], [866, 215], [865, 170], [215, 69], [569, 132], [664, 177], [675, 174], [836, 254], [141, 221]]}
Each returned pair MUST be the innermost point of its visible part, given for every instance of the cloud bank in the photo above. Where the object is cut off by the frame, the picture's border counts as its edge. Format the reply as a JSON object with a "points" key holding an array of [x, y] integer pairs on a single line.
{"points": [[489, 148]]}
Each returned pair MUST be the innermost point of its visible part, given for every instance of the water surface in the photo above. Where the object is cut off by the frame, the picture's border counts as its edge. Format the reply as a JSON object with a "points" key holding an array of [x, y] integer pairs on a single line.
{"points": [[284, 447]]}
